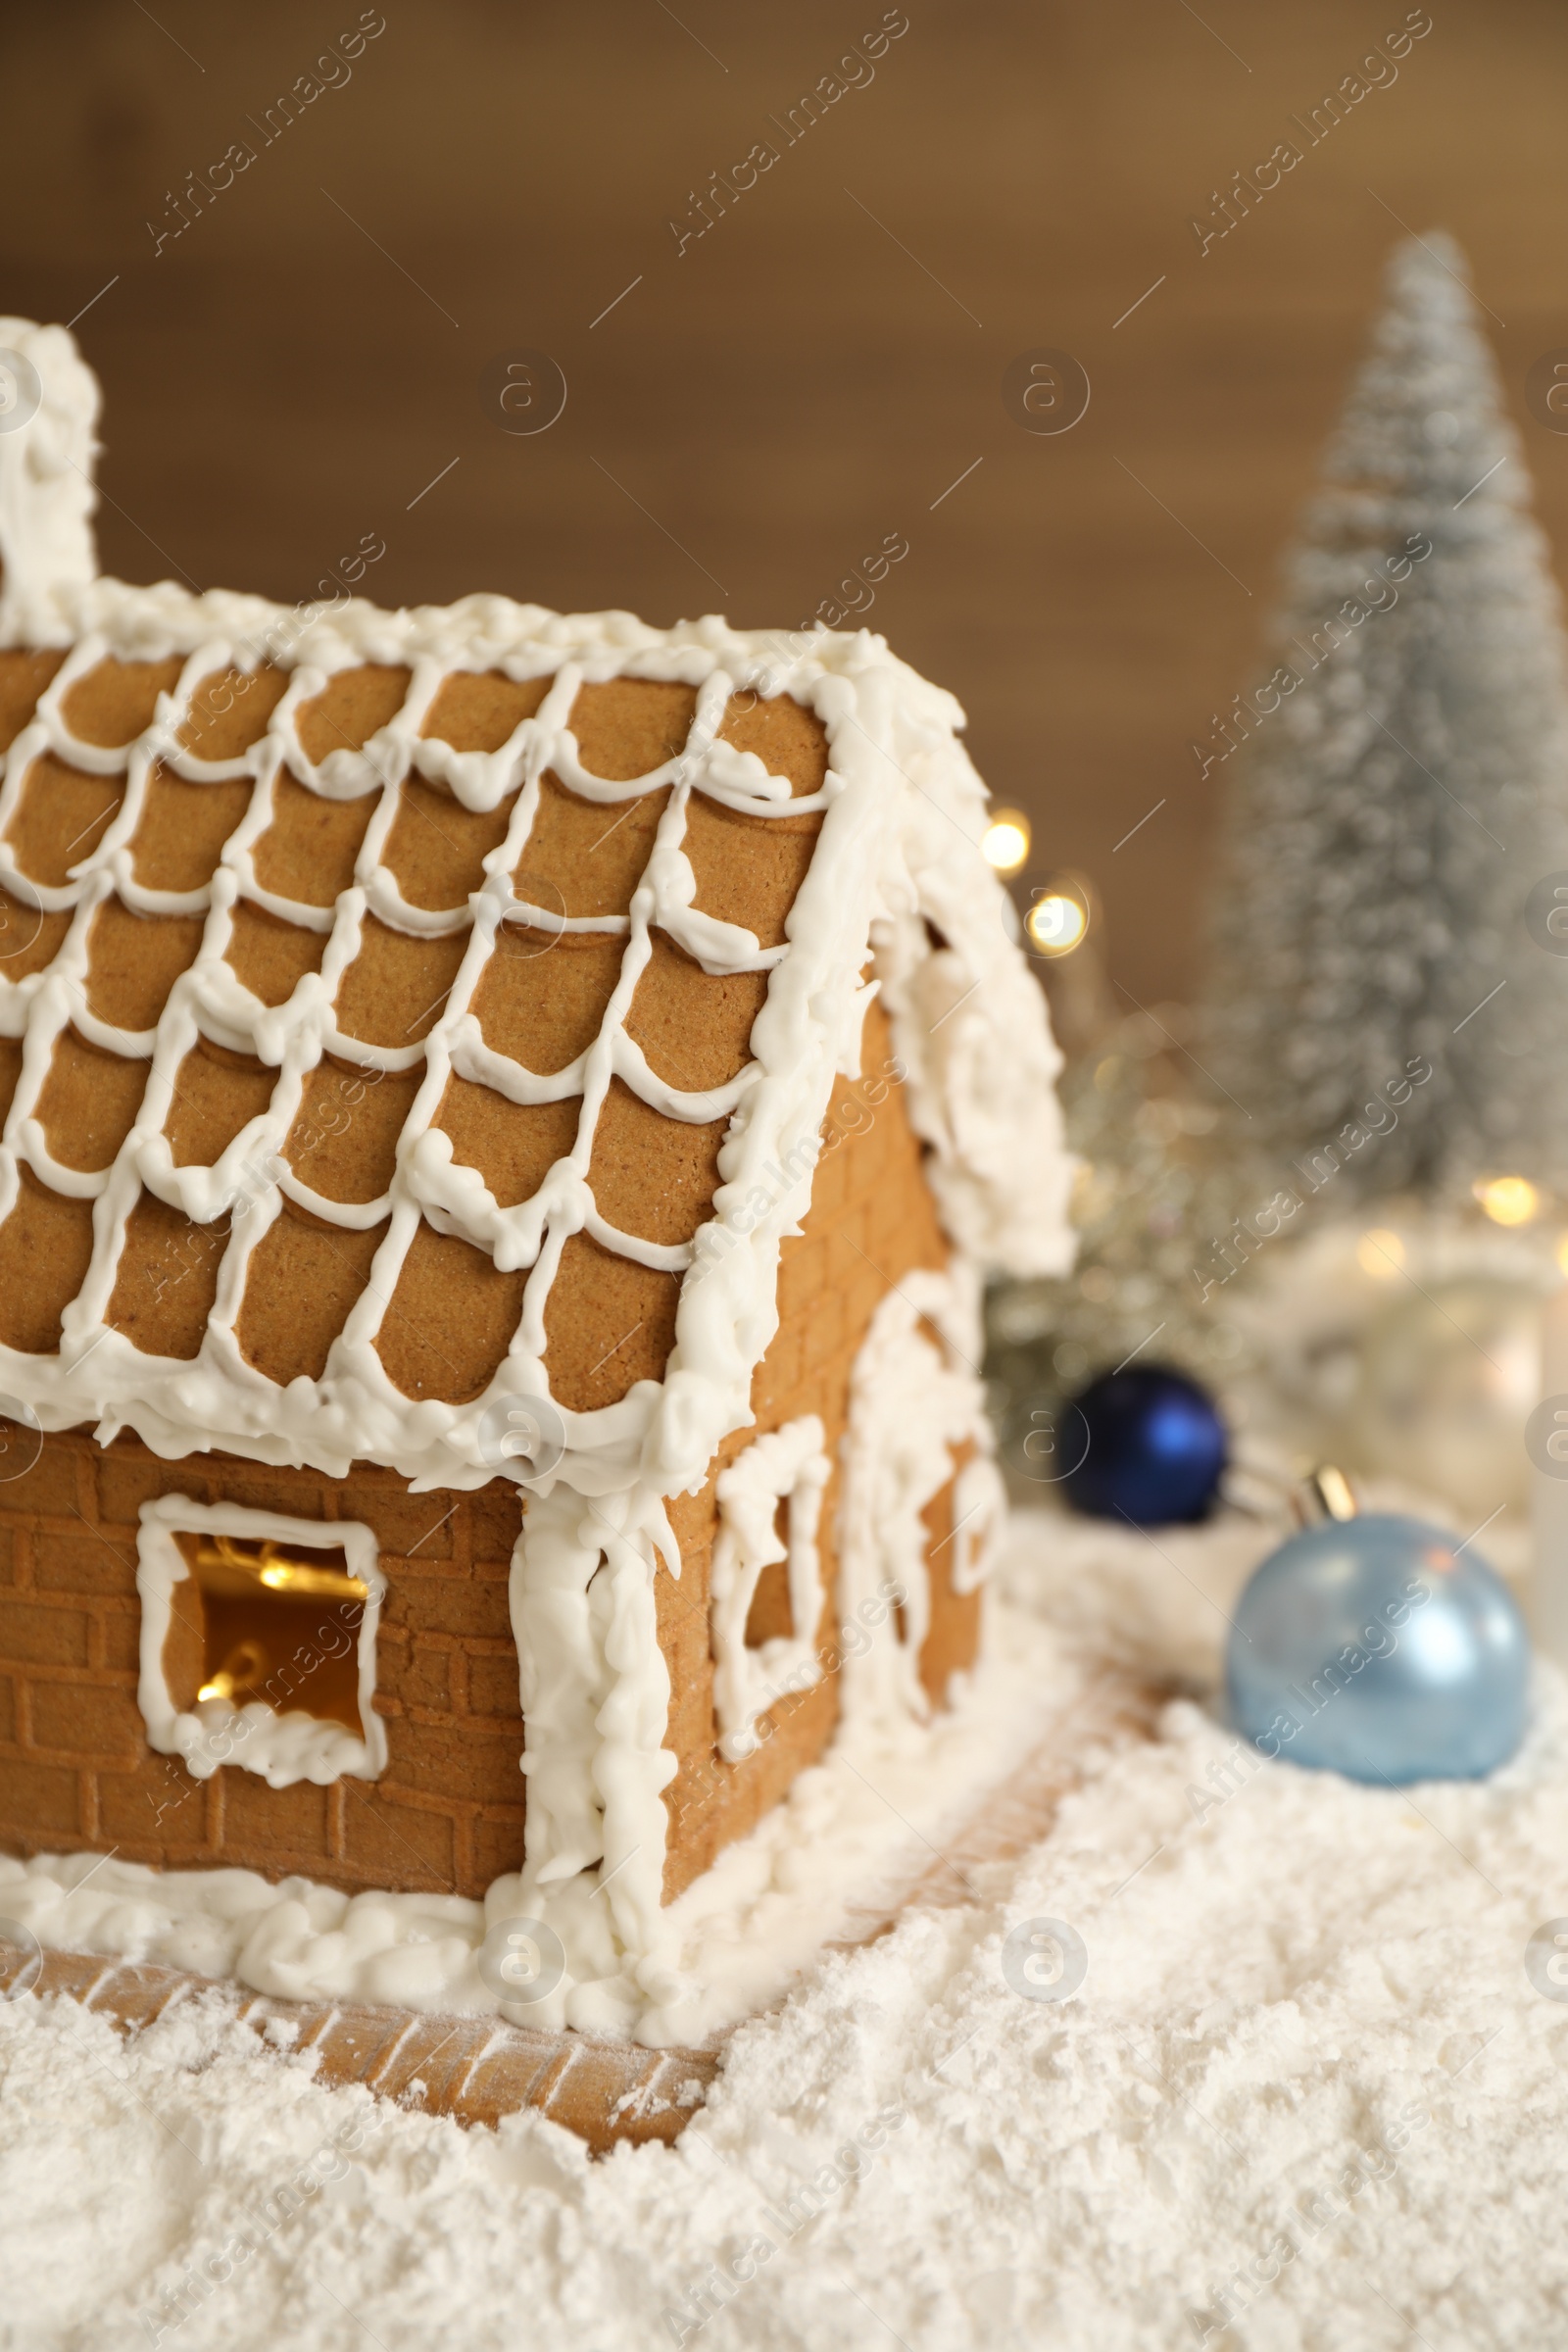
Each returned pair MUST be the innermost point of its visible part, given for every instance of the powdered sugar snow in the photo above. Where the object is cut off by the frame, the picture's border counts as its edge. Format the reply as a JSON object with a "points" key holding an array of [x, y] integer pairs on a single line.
{"points": [[1305, 2094]]}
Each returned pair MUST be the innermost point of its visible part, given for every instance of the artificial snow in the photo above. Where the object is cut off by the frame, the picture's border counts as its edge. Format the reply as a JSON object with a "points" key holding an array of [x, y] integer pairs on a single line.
{"points": [[1305, 2096]]}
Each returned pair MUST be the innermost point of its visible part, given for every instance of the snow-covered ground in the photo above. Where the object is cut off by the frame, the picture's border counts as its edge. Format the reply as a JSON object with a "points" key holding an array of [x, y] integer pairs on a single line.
{"points": [[1305, 2094]]}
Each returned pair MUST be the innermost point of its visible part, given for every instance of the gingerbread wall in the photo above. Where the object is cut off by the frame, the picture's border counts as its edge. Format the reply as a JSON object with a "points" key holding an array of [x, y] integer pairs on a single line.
{"points": [[75, 1770]]}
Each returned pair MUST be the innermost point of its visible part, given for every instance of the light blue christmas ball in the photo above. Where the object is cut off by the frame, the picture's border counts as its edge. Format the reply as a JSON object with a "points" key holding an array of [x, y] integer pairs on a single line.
{"points": [[1373, 1648]]}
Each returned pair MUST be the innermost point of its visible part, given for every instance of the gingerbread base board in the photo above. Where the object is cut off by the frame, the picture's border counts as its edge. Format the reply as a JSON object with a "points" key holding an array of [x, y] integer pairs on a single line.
{"points": [[474, 2068], [477, 2070]]}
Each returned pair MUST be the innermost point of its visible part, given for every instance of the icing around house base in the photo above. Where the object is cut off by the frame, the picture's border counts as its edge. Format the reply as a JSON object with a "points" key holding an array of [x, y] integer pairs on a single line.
{"points": [[855, 1832]]}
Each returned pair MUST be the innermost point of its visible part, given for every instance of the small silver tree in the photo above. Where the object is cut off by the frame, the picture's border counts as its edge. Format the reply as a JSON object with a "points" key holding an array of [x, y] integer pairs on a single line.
{"points": [[1400, 785]]}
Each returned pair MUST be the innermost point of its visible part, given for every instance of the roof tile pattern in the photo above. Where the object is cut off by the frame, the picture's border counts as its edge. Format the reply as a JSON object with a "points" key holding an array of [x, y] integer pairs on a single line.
{"points": [[192, 857]]}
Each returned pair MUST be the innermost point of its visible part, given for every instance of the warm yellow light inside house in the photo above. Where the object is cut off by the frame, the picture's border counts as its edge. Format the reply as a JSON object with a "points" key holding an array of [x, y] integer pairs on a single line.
{"points": [[328, 1584], [252, 1603], [1055, 923], [1508, 1199], [1004, 843], [1380, 1254], [241, 1667]]}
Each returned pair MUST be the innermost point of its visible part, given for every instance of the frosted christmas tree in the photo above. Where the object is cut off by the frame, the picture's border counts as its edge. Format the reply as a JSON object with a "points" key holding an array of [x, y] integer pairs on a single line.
{"points": [[1378, 1009]]}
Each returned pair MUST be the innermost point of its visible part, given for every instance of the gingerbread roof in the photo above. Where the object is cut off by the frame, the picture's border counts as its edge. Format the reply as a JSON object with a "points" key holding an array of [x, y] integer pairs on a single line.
{"points": [[403, 1015]]}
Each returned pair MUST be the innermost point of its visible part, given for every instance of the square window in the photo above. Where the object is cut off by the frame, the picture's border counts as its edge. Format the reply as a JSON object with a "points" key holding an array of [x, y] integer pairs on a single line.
{"points": [[258, 1641]]}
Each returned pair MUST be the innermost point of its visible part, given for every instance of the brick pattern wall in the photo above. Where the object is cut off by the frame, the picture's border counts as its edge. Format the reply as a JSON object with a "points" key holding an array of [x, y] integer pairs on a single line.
{"points": [[76, 1772]]}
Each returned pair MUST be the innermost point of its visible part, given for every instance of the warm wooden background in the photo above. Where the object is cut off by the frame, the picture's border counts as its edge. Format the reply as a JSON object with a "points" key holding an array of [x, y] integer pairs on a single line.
{"points": [[796, 386]]}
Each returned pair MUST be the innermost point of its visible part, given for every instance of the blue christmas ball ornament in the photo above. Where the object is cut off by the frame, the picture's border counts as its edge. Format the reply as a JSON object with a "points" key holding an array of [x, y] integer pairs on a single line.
{"points": [[1150, 1447], [1371, 1647]]}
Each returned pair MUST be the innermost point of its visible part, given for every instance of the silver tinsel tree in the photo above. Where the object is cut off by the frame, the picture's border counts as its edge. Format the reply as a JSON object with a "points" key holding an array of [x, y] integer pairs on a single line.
{"points": [[1401, 784]]}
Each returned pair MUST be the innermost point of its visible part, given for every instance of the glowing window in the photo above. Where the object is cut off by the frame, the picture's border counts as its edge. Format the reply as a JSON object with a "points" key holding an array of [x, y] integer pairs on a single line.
{"points": [[258, 1641]]}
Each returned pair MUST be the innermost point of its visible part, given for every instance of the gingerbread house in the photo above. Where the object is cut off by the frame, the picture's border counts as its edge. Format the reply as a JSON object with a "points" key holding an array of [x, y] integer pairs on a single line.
{"points": [[506, 1118]]}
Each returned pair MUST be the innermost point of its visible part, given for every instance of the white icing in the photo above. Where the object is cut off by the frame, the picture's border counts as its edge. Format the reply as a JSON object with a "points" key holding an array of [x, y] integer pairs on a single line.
{"points": [[788, 1465], [979, 1515], [283, 1746], [912, 1403], [982, 1065], [595, 1694], [46, 491]]}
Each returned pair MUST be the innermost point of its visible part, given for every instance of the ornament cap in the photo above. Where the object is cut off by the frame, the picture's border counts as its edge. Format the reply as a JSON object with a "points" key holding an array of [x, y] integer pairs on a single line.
{"points": [[1326, 1494]]}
